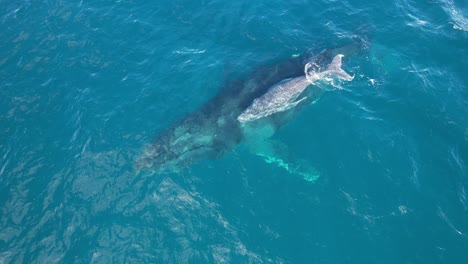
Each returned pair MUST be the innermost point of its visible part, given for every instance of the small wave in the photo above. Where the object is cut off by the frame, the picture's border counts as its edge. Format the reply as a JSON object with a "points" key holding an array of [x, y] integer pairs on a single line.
{"points": [[189, 51], [417, 22], [417, 18], [182, 210], [444, 217]]}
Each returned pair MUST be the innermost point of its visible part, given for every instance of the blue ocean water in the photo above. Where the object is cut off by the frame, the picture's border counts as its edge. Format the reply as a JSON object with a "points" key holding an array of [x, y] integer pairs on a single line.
{"points": [[85, 85]]}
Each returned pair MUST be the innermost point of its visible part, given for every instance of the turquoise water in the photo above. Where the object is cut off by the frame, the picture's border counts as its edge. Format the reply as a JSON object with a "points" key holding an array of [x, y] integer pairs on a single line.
{"points": [[86, 85]]}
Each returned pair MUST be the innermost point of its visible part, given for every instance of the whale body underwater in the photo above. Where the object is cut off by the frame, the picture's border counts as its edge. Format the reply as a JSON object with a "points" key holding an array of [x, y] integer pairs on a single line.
{"points": [[215, 129]]}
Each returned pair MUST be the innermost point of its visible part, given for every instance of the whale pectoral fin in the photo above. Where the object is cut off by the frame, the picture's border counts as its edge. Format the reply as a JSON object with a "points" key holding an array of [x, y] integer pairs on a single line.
{"points": [[293, 104], [276, 153], [290, 105], [283, 81]]}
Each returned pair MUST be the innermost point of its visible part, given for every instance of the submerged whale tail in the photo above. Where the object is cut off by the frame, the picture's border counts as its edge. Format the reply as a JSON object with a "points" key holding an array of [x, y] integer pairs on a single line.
{"points": [[335, 69]]}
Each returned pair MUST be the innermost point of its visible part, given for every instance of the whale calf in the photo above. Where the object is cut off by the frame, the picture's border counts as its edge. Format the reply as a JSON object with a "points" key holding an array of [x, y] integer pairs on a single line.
{"points": [[284, 96]]}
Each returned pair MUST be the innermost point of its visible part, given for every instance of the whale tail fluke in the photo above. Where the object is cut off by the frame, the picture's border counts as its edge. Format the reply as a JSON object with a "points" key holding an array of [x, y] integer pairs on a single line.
{"points": [[335, 69]]}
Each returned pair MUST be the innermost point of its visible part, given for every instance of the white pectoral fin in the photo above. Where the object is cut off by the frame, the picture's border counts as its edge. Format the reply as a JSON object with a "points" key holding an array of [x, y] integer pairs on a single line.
{"points": [[288, 106], [335, 69], [293, 104], [276, 153], [285, 107], [283, 81]]}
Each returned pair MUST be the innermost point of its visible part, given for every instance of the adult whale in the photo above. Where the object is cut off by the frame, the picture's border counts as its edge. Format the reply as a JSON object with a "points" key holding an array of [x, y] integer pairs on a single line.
{"points": [[214, 128]]}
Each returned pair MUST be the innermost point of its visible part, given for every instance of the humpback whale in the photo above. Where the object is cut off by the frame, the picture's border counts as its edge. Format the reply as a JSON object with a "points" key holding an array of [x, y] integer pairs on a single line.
{"points": [[214, 128], [284, 95]]}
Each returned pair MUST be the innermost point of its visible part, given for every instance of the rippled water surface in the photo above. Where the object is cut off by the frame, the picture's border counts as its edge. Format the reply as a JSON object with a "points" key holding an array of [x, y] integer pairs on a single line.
{"points": [[86, 85]]}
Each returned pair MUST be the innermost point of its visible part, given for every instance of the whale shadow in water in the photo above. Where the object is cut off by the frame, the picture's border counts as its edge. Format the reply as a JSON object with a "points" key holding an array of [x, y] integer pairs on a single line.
{"points": [[214, 129]]}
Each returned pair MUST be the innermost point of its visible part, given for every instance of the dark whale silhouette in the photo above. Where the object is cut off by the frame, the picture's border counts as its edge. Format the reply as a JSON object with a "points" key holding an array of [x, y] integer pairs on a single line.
{"points": [[214, 128]]}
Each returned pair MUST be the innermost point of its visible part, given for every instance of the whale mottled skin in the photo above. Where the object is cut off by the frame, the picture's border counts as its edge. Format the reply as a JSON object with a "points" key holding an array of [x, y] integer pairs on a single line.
{"points": [[284, 96], [214, 128]]}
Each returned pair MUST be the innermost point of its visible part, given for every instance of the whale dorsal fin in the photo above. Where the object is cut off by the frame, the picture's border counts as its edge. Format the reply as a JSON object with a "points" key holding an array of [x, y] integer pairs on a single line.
{"points": [[335, 69]]}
